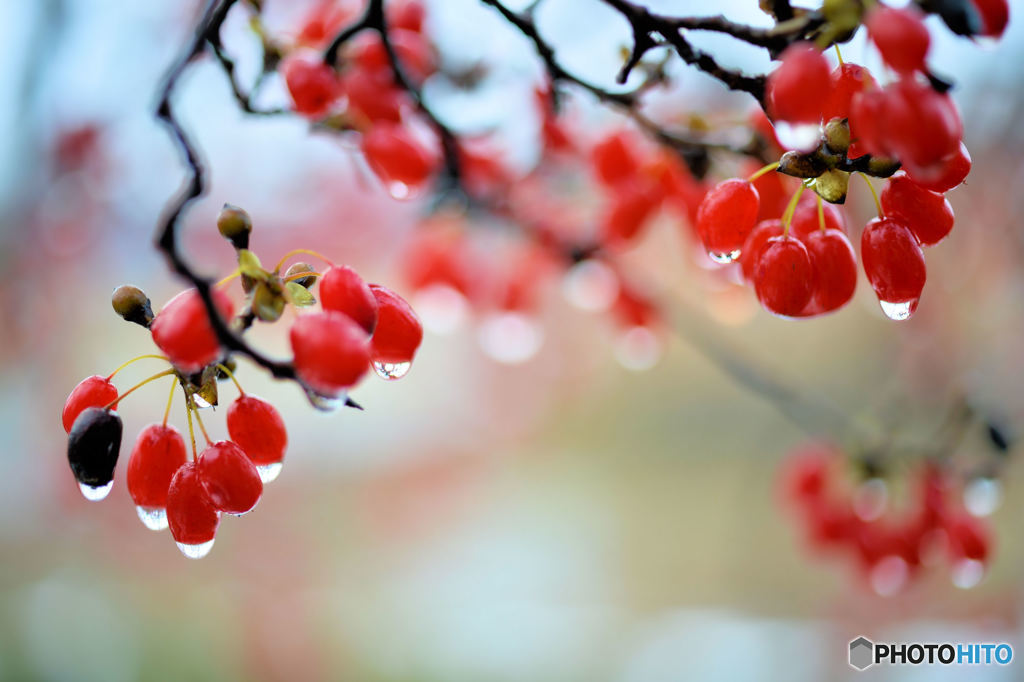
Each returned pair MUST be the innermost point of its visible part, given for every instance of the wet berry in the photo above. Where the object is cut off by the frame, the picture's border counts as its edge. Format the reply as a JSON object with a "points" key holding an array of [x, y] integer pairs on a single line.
{"points": [[726, 216], [396, 156], [159, 452], [183, 330], [343, 290], [928, 215], [900, 36], [230, 477], [799, 88], [894, 265], [835, 268], [332, 352], [784, 276], [191, 514], [94, 391], [93, 446], [756, 240], [312, 84], [256, 426], [399, 331]]}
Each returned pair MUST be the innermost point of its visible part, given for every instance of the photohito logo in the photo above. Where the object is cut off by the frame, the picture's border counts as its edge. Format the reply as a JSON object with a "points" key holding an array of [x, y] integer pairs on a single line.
{"points": [[864, 653]]}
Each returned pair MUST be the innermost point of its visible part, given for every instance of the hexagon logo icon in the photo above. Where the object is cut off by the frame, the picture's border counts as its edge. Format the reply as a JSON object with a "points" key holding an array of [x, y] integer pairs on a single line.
{"points": [[862, 652]]}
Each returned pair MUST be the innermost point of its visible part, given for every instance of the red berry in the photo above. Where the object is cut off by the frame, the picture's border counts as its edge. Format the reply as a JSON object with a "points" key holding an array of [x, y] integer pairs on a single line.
{"points": [[835, 268], [375, 98], [190, 514], [631, 207], [800, 87], [805, 217], [943, 175], [901, 37], [256, 426], [995, 15], [726, 216], [928, 215], [231, 479], [756, 240], [399, 331], [773, 191], [868, 110], [183, 330], [784, 276], [332, 352], [412, 50], [968, 538], [894, 265], [847, 80], [396, 156], [613, 159], [343, 290], [922, 126], [158, 453], [312, 84], [406, 15], [94, 391]]}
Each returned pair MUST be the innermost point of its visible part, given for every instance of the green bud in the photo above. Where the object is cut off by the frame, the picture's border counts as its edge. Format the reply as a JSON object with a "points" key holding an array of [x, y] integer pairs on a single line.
{"points": [[801, 165], [132, 304], [297, 268], [837, 136], [235, 225], [832, 185]]}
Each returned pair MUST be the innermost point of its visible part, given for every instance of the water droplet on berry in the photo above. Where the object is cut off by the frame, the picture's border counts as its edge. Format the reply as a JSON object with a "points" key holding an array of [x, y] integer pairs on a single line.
{"points": [[195, 551], [888, 576], [399, 190], [967, 573], [391, 370], [591, 285], [638, 349], [200, 402], [95, 493], [268, 472], [982, 496], [153, 518], [510, 337], [326, 403], [898, 311], [870, 499], [724, 258], [441, 308], [802, 137]]}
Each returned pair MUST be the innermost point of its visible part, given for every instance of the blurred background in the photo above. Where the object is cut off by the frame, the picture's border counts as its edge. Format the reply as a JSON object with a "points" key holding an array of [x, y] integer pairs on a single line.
{"points": [[563, 518]]}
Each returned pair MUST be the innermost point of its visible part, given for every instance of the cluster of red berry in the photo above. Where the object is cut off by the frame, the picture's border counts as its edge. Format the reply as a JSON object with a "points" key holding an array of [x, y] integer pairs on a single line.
{"points": [[889, 548], [362, 95], [360, 325]]}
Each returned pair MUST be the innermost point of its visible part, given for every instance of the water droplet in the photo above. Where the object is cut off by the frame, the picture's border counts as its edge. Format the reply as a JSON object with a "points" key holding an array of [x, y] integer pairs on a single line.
{"points": [[268, 472], [196, 551], [153, 518], [591, 285], [95, 493], [724, 258], [200, 402], [899, 311], [400, 190], [802, 137], [982, 496], [870, 499], [510, 337], [638, 349], [391, 370], [888, 576], [967, 573], [441, 308], [326, 403]]}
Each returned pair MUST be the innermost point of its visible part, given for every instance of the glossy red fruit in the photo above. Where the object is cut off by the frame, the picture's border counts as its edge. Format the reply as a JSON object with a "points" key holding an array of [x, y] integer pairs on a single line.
{"points": [[868, 111], [396, 156], [805, 217], [332, 352], [943, 175], [374, 97], [408, 15], [343, 290], [848, 79], [928, 215], [191, 515], [922, 126], [631, 207], [230, 477], [894, 265], [412, 50], [773, 191], [183, 331], [835, 268], [158, 453], [784, 277], [94, 391], [726, 216], [399, 331], [995, 15], [256, 426], [313, 85], [900, 36], [614, 160], [756, 240], [800, 87]]}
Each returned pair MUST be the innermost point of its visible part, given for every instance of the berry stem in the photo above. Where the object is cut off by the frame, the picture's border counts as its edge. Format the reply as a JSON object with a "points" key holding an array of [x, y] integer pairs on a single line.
{"points": [[874, 194], [763, 171], [199, 420], [295, 252], [191, 430], [170, 401], [821, 213], [137, 386], [227, 279], [300, 275], [231, 375], [839, 55], [140, 357], [787, 216]]}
